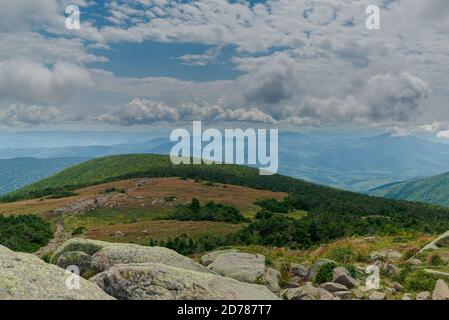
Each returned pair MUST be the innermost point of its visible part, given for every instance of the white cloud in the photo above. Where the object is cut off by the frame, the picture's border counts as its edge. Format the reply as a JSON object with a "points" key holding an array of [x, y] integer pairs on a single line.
{"points": [[141, 112], [19, 115], [444, 134], [251, 115], [301, 62], [27, 80]]}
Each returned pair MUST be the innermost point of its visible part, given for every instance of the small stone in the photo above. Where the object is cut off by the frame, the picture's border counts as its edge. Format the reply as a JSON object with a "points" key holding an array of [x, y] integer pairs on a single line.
{"points": [[358, 294], [397, 286], [298, 270], [311, 274], [343, 295], [441, 291], [341, 275], [291, 285], [425, 295], [415, 262], [388, 269], [117, 234], [377, 296], [407, 296], [333, 287]]}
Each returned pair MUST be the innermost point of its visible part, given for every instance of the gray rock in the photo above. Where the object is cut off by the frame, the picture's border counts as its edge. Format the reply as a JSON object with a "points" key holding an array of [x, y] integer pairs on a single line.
{"points": [[333, 287], [291, 285], [131, 253], [208, 258], [441, 241], [241, 266], [441, 291], [75, 258], [26, 277], [270, 279], [358, 294], [414, 262], [388, 268], [78, 244], [376, 295], [311, 274], [341, 275], [308, 292], [407, 296], [155, 281], [298, 270], [343, 295], [425, 295], [386, 254], [397, 286]]}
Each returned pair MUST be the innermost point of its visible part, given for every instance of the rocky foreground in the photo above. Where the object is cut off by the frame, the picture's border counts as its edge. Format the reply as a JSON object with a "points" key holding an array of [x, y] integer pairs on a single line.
{"points": [[134, 272]]}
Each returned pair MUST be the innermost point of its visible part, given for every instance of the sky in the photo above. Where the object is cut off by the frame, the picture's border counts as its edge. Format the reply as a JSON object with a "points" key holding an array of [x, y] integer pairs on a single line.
{"points": [[277, 63]]}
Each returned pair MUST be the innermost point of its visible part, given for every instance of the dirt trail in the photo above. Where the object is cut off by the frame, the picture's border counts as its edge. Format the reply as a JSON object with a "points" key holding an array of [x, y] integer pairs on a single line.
{"points": [[59, 237]]}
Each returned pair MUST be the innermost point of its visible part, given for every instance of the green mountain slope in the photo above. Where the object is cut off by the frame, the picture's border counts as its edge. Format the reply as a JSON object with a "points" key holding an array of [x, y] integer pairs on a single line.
{"points": [[311, 196], [432, 190]]}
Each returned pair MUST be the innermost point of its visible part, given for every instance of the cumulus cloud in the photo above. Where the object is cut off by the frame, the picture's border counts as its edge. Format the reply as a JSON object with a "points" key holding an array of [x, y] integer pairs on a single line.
{"points": [[444, 134], [251, 115], [395, 97], [303, 62], [27, 80], [141, 112], [19, 115], [270, 84], [210, 56]]}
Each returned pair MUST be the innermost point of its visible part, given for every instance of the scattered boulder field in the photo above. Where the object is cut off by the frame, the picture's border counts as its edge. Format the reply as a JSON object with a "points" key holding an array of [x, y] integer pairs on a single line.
{"points": [[134, 272]]}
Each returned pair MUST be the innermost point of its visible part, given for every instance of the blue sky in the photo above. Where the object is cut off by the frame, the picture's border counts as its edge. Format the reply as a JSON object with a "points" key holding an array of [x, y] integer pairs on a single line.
{"points": [[278, 63]]}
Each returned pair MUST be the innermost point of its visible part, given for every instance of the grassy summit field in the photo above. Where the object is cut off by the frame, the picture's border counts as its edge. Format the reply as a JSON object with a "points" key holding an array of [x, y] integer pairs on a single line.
{"points": [[132, 198]]}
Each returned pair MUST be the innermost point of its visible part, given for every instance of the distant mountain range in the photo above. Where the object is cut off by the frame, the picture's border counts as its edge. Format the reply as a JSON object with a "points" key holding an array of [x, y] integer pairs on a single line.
{"points": [[17, 172], [360, 164], [353, 162], [432, 190]]}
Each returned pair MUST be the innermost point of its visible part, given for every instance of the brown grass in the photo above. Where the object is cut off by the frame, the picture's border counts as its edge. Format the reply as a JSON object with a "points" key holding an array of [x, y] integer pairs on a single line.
{"points": [[141, 232], [150, 194]]}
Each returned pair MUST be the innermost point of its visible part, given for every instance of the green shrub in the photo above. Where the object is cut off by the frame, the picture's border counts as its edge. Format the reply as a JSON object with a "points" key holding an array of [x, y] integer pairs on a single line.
{"points": [[114, 189], [420, 281], [324, 273], [403, 273], [46, 257], [342, 255], [436, 260], [274, 205], [210, 212], [352, 271], [170, 198], [61, 193], [25, 233], [78, 231]]}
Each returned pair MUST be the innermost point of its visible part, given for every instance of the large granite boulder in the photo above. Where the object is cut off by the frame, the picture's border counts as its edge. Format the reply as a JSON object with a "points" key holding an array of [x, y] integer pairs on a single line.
{"points": [[241, 266], [155, 281], [87, 246], [26, 277], [210, 257], [93, 256], [246, 267], [131, 253], [75, 258]]}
